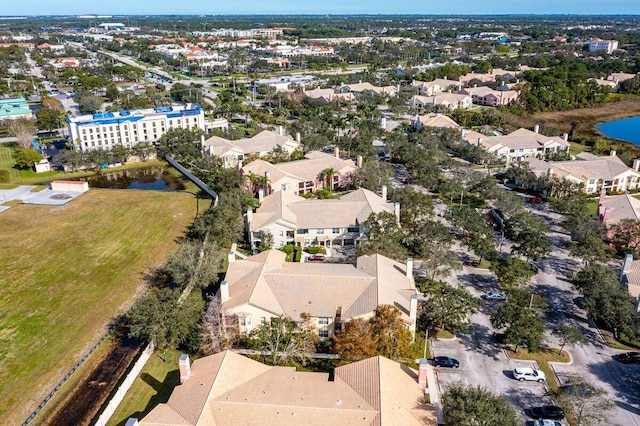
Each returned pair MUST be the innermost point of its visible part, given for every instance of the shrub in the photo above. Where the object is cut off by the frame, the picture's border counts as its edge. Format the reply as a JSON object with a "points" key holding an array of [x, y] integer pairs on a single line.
{"points": [[288, 249], [315, 250], [4, 176], [298, 255]]}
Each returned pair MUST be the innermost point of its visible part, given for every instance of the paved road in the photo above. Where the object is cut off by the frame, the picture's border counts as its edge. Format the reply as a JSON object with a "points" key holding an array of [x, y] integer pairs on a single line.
{"points": [[483, 363]]}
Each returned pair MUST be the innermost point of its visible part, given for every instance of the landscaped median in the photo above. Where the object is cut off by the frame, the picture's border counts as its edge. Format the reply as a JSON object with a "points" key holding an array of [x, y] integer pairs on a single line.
{"points": [[543, 357]]}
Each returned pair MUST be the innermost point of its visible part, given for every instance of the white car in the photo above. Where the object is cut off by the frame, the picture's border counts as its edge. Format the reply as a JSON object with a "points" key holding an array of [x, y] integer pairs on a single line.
{"points": [[494, 295], [529, 374], [546, 422]]}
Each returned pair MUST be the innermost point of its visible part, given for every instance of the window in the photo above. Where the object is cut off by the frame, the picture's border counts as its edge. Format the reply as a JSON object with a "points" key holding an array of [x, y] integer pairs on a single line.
{"points": [[320, 231], [263, 320], [335, 230], [243, 322], [323, 333], [303, 231], [323, 321]]}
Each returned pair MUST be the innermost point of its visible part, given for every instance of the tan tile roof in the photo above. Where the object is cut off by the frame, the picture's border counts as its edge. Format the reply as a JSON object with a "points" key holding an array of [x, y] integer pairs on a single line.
{"points": [[265, 141], [526, 139], [588, 167], [230, 389], [437, 120], [290, 288], [305, 170], [633, 279], [621, 207]]}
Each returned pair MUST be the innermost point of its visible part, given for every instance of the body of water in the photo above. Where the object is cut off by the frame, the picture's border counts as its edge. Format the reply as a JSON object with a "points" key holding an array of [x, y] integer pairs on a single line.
{"points": [[627, 129], [151, 178]]}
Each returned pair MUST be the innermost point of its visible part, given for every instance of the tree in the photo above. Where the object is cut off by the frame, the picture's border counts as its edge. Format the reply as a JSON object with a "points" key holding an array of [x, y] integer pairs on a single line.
{"points": [[569, 334], [87, 103], [626, 234], [373, 175], [588, 404], [466, 405], [212, 335], [355, 341], [393, 340], [159, 317], [512, 272], [266, 241], [447, 307], [184, 144], [24, 130], [196, 264], [384, 237], [49, 118], [523, 326], [284, 341], [327, 178], [25, 158]]}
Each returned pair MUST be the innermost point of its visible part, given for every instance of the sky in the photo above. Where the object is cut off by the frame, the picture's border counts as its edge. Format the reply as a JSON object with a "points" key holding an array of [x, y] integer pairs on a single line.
{"points": [[226, 7]]}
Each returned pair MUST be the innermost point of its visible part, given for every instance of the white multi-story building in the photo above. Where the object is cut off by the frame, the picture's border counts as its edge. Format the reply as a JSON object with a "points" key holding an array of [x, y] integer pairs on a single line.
{"points": [[128, 128], [599, 44]]}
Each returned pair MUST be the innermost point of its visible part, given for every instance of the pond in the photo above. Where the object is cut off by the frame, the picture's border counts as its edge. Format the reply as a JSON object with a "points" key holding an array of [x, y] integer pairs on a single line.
{"points": [[627, 129], [150, 178]]}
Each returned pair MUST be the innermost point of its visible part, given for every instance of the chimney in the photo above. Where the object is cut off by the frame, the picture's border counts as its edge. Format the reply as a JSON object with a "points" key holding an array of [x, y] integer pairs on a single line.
{"points": [[336, 152], [396, 211], [612, 153], [185, 368], [536, 128], [298, 137], [603, 195], [359, 161], [202, 141], [636, 164], [479, 141], [260, 195], [224, 291], [280, 132], [383, 123], [384, 193], [413, 305], [422, 374], [565, 136], [231, 256], [475, 86], [626, 266], [249, 215], [549, 171], [606, 215], [463, 132], [410, 268]]}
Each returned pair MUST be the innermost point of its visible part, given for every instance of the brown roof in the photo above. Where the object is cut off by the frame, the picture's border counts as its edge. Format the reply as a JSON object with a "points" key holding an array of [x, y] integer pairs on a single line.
{"points": [[230, 389]]}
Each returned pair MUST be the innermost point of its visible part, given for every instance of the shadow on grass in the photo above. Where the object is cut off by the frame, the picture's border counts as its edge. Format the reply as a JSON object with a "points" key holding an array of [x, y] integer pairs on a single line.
{"points": [[163, 392]]}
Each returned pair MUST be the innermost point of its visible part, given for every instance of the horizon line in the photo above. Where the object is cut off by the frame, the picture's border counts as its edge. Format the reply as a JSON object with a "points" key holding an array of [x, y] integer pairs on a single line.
{"points": [[77, 15]]}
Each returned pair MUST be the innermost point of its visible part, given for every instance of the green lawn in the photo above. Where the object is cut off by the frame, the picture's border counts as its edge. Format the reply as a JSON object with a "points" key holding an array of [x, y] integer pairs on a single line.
{"points": [[66, 272], [152, 387], [577, 148]]}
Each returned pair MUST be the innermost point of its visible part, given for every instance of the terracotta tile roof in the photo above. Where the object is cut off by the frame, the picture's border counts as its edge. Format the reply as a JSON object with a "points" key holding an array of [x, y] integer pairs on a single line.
{"points": [[230, 389]]}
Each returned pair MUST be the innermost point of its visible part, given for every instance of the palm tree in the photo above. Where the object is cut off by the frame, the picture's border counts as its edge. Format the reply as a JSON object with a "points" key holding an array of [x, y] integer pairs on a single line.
{"points": [[339, 123], [327, 177]]}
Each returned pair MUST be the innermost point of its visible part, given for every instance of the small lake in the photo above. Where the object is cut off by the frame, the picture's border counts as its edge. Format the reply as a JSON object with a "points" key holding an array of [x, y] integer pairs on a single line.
{"points": [[627, 129], [151, 178]]}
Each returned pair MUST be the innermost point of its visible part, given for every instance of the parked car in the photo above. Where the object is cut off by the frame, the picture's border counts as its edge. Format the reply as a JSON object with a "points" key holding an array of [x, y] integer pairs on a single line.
{"points": [[529, 374], [629, 358], [494, 295], [316, 258], [547, 412], [409, 180], [445, 361], [547, 422]]}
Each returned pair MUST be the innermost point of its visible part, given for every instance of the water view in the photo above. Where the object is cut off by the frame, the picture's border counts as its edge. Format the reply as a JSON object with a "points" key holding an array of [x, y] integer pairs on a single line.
{"points": [[151, 178], [627, 129]]}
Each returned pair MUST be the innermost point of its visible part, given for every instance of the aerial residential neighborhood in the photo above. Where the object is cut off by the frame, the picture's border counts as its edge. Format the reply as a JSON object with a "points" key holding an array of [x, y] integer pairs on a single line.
{"points": [[276, 215]]}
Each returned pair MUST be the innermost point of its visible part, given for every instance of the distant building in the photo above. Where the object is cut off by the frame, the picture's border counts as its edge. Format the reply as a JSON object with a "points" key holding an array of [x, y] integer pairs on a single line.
{"points": [[487, 96], [128, 128], [12, 108], [596, 44], [111, 26]]}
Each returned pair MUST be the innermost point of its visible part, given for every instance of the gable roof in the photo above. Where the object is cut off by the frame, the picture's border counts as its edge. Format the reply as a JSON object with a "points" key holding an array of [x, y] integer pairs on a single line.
{"points": [[437, 120], [620, 207], [230, 389]]}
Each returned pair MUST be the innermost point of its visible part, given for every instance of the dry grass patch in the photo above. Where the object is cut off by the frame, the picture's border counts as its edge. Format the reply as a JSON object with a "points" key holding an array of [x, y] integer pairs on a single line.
{"points": [[66, 272]]}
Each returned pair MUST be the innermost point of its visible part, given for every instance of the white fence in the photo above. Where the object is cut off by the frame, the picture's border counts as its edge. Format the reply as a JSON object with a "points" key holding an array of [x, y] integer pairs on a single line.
{"points": [[124, 387]]}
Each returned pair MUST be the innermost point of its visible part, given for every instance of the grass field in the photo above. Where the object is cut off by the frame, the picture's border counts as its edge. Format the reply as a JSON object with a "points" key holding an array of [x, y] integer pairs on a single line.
{"points": [[66, 272]]}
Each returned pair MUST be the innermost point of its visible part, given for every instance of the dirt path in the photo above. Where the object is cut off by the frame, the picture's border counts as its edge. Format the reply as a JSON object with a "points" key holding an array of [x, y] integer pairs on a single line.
{"points": [[82, 403]]}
